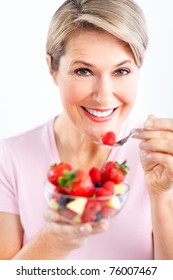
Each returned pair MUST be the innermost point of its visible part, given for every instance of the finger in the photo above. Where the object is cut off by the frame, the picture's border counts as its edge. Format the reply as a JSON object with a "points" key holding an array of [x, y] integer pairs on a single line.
{"points": [[70, 230], [153, 123], [57, 221], [157, 145], [152, 159], [147, 161], [80, 229], [59, 224], [100, 226], [154, 134], [69, 236], [51, 215]]}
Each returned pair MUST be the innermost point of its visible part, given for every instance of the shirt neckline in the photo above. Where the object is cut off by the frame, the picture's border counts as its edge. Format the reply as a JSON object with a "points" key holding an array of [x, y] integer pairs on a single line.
{"points": [[54, 149]]}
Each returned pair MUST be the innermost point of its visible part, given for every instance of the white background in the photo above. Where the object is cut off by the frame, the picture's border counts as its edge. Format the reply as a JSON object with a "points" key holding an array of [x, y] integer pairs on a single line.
{"points": [[28, 96]]}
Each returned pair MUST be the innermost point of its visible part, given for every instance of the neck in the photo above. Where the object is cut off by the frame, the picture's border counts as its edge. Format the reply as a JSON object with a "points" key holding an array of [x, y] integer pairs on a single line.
{"points": [[77, 148]]}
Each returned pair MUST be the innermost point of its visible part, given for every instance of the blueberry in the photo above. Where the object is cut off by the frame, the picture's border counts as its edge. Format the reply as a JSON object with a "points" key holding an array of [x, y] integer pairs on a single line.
{"points": [[98, 185], [63, 201], [98, 216]]}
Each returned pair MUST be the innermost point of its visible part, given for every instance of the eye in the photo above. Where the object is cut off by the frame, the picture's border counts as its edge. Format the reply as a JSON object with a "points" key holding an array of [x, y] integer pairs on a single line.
{"points": [[121, 72], [82, 72]]}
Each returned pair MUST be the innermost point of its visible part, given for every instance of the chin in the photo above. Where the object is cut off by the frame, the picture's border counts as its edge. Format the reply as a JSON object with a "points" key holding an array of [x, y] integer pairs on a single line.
{"points": [[97, 132]]}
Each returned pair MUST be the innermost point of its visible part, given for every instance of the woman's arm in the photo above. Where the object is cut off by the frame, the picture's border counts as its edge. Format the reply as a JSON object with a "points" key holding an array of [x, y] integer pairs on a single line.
{"points": [[162, 220], [11, 235], [55, 241]]}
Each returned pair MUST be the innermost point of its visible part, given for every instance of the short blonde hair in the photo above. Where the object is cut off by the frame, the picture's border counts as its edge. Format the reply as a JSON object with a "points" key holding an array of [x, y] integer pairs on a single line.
{"points": [[122, 18]]}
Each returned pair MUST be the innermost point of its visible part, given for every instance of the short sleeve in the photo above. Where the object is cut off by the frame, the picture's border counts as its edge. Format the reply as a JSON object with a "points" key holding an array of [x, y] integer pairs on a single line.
{"points": [[8, 199]]}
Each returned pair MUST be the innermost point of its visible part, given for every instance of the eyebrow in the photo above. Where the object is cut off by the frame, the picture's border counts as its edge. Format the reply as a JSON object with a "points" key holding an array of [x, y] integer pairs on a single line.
{"points": [[124, 62], [82, 62], [91, 65]]}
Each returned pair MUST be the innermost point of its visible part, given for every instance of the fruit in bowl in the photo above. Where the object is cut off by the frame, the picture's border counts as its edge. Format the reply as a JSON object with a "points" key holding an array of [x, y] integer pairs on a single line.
{"points": [[78, 209], [81, 196]]}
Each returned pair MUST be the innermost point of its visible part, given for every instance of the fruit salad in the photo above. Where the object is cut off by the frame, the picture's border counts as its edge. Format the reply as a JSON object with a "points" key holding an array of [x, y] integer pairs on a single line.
{"points": [[82, 196]]}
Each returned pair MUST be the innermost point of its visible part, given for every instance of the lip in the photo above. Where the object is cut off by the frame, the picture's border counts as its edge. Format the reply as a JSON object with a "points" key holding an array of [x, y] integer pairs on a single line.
{"points": [[100, 119], [101, 110]]}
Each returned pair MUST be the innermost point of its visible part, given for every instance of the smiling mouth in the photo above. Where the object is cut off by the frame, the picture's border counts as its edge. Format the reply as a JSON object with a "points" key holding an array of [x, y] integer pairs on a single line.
{"points": [[98, 113]]}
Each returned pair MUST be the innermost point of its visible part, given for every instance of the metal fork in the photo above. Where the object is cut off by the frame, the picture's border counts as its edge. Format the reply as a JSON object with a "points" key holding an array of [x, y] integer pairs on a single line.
{"points": [[122, 141]]}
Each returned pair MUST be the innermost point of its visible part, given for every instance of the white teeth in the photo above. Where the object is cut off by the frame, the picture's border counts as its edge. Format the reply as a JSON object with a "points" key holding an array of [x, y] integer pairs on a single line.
{"points": [[99, 113]]}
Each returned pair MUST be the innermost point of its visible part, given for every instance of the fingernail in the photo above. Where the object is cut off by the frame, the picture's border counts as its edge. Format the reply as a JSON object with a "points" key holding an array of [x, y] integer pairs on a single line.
{"points": [[54, 216], [82, 229], [148, 124], [147, 155], [104, 224], [85, 229], [142, 145]]}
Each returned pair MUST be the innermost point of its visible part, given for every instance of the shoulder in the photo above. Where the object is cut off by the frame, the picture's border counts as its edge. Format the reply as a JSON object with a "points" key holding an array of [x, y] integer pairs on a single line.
{"points": [[27, 148], [28, 139]]}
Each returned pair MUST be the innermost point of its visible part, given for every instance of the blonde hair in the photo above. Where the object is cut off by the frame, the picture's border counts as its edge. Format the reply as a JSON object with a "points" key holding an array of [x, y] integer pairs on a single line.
{"points": [[122, 18]]}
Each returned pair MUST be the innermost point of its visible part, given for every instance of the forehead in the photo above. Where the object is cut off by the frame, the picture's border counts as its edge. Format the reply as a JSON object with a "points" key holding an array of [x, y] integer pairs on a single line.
{"points": [[93, 43]]}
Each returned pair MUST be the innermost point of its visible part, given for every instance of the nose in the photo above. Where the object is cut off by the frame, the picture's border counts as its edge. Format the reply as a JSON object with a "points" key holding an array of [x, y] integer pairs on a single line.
{"points": [[104, 90]]}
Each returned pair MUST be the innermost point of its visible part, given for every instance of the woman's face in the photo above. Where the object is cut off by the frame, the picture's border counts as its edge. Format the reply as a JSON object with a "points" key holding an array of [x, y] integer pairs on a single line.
{"points": [[97, 79]]}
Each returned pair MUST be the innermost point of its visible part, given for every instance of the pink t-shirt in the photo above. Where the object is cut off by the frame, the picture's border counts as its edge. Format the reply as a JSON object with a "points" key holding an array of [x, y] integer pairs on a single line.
{"points": [[24, 162]]}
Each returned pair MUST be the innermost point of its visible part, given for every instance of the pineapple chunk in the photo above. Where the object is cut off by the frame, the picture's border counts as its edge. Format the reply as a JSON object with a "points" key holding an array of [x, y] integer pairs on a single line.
{"points": [[119, 189], [77, 205], [114, 203], [53, 204], [77, 219]]}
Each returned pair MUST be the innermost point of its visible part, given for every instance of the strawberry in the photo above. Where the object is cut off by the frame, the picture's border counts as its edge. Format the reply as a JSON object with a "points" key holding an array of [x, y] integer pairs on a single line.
{"points": [[58, 190], [95, 175], [115, 172], [107, 189], [92, 206], [105, 170], [101, 192], [107, 211], [91, 211], [77, 183], [68, 214], [88, 217], [109, 186], [109, 138], [57, 170]]}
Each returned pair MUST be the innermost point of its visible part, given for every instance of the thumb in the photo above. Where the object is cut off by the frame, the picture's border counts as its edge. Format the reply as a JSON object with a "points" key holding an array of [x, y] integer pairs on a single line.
{"points": [[148, 124], [146, 161]]}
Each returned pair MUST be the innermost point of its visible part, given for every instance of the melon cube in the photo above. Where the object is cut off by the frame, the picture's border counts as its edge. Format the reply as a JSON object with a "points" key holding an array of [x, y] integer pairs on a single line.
{"points": [[114, 203], [77, 205], [53, 204], [119, 189]]}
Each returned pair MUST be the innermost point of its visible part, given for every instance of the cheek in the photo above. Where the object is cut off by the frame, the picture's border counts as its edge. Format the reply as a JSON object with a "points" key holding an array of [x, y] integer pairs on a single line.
{"points": [[131, 93], [132, 97], [73, 92]]}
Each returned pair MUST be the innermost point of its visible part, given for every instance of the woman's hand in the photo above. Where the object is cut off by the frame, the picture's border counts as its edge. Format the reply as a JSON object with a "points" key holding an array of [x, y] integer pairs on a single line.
{"points": [[157, 161], [157, 154], [64, 237]]}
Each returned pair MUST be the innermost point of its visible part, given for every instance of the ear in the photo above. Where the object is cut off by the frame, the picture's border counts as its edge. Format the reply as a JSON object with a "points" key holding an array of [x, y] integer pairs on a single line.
{"points": [[48, 60], [51, 71]]}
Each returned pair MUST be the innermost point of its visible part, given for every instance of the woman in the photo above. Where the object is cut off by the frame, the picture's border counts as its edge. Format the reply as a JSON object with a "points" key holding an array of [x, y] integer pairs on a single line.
{"points": [[94, 52]]}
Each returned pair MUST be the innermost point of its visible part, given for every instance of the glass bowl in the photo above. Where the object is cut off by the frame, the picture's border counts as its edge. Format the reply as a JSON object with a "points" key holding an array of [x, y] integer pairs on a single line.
{"points": [[78, 210]]}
